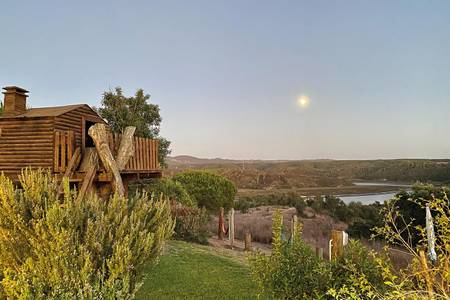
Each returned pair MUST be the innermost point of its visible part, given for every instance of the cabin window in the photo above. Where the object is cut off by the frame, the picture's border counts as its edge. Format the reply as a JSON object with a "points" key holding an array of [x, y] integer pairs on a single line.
{"points": [[88, 141]]}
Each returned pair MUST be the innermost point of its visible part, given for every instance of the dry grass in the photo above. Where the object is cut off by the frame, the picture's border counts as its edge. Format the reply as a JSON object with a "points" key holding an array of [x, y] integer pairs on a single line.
{"points": [[258, 221]]}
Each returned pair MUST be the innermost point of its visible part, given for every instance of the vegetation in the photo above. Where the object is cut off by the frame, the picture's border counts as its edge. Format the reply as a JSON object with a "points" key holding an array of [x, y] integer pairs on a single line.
{"points": [[171, 189], [66, 248], [1, 109], [309, 175], [190, 223], [293, 272], [282, 199], [121, 111], [360, 218], [189, 271], [411, 206], [207, 189]]}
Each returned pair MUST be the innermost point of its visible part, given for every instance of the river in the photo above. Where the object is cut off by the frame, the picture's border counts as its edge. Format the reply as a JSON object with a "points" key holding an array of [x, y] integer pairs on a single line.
{"points": [[372, 198]]}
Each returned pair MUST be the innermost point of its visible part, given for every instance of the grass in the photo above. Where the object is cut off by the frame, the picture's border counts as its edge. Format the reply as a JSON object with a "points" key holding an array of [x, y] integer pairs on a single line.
{"points": [[190, 271]]}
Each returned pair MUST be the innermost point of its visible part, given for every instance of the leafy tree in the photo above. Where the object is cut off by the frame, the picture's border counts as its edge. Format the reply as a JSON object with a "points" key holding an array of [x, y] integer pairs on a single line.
{"points": [[411, 206], [1, 109], [171, 189], [207, 189], [121, 111], [70, 248]]}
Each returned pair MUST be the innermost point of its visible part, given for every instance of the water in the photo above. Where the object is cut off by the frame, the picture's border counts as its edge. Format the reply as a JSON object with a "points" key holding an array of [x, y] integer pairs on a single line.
{"points": [[372, 198], [368, 199]]}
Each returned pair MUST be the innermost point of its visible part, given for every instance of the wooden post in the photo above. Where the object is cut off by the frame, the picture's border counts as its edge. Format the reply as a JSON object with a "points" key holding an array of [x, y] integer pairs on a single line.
{"points": [[73, 164], [319, 252], [293, 227], [231, 228], [99, 134], [426, 274], [248, 241], [337, 243], [220, 231], [126, 148]]}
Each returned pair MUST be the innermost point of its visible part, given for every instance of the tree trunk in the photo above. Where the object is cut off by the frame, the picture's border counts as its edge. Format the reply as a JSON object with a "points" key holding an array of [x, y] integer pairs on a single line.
{"points": [[126, 148], [100, 136]]}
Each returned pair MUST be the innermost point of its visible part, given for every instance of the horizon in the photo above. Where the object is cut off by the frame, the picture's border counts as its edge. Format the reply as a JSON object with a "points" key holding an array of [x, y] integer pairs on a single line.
{"points": [[295, 81], [310, 159]]}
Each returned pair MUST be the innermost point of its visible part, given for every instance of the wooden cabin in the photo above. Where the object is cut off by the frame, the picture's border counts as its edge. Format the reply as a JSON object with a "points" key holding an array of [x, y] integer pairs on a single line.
{"points": [[47, 138]]}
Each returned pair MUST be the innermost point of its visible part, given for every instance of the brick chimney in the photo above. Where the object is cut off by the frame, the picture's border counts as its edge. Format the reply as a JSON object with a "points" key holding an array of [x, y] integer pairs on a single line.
{"points": [[15, 101]]}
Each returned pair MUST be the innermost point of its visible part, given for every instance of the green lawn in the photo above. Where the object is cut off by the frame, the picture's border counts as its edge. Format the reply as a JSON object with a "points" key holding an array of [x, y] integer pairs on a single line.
{"points": [[190, 271]]}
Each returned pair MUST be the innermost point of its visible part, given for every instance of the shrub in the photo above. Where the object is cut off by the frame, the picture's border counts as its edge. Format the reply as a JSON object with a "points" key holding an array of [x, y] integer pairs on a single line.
{"points": [[75, 249], [208, 190], [292, 271], [357, 260], [171, 189], [283, 199], [191, 223]]}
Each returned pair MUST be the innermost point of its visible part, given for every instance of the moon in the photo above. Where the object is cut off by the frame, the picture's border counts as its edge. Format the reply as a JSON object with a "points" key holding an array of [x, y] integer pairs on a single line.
{"points": [[303, 101]]}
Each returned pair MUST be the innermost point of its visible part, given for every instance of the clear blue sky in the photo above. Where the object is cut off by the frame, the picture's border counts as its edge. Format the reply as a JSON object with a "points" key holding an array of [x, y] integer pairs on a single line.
{"points": [[227, 74]]}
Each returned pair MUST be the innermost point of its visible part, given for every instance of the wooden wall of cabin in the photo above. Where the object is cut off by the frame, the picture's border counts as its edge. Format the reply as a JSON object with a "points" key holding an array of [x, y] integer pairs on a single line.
{"points": [[25, 143], [73, 120]]}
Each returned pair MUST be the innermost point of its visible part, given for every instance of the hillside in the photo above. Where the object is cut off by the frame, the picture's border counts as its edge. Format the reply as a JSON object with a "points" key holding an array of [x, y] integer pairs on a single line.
{"points": [[259, 174]]}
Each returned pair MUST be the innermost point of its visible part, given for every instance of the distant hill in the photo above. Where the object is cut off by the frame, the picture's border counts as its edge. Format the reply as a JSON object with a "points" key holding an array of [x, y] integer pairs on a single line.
{"points": [[192, 160], [277, 174]]}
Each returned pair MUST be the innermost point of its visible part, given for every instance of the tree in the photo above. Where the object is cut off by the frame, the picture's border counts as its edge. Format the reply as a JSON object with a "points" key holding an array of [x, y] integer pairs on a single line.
{"points": [[171, 189], [209, 190], [121, 111], [1, 109]]}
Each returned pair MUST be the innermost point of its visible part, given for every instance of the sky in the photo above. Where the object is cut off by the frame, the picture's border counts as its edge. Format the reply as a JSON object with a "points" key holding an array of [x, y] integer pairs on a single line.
{"points": [[229, 76]]}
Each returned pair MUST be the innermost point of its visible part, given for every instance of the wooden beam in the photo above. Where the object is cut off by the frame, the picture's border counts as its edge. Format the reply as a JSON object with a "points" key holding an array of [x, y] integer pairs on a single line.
{"points": [[126, 148], [99, 134]]}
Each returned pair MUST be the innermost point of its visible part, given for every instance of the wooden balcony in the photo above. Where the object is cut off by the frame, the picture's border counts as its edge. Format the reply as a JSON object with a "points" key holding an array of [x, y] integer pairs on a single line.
{"points": [[144, 160]]}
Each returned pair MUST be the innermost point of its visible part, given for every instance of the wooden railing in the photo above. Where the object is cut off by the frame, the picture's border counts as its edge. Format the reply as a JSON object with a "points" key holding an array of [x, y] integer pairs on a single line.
{"points": [[145, 156], [64, 143]]}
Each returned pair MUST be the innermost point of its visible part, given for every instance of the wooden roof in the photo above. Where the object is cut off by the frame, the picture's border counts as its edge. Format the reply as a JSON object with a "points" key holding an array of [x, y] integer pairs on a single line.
{"points": [[53, 111]]}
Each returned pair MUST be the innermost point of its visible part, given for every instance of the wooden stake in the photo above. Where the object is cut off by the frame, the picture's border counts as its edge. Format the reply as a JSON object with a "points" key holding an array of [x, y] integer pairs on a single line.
{"points": [[293, 227], [248, 241], [337, 248], [426, 274], [231, 228], [220, 231], [319, 252]]}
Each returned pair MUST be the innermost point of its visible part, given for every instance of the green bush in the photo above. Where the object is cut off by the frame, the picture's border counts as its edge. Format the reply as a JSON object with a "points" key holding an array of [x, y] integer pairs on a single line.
{"points": [[357, 260], [292, 271], [190, 223], [207, 189], [280, 199], [75, 249], [171, 189]]}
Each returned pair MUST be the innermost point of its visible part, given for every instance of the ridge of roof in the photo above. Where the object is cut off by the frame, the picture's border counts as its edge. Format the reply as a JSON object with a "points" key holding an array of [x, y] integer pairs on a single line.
{"points": [[52, 111]]}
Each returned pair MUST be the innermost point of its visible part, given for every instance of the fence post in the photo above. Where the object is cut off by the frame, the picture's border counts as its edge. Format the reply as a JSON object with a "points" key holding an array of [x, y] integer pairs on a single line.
{"points": [[220, 231], [293, 227], [248, 241], [426, 274], [337, 243], [319, 252], [231, 228]]}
